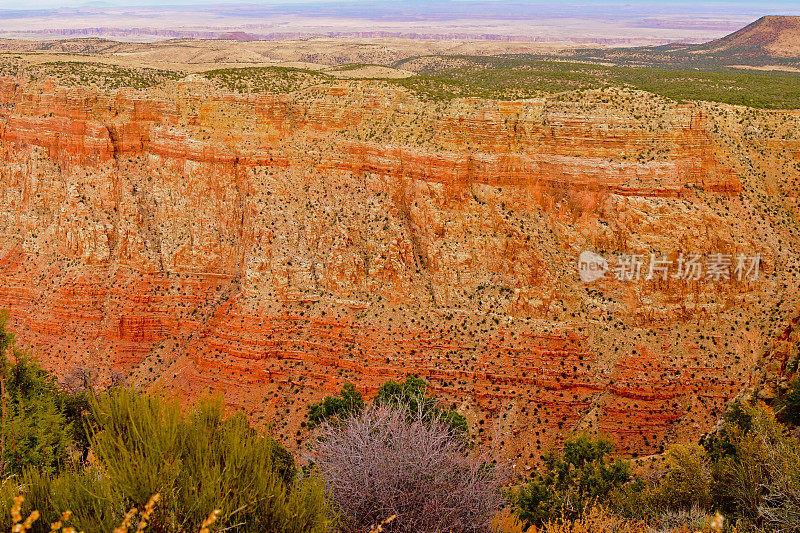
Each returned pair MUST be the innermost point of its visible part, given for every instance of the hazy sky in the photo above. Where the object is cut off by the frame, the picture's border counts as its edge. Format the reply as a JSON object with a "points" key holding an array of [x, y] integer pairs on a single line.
{"points": [[785, 6], [626, 22]]}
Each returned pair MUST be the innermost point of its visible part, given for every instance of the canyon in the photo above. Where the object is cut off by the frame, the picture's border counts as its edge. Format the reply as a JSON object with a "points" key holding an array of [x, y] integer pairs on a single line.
{"points": [[274, 246]]}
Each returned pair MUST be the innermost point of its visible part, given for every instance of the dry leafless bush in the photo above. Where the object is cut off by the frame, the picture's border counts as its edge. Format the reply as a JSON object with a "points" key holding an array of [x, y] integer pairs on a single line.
{"points": [[694, 518], [387, 461], [781, 503]]}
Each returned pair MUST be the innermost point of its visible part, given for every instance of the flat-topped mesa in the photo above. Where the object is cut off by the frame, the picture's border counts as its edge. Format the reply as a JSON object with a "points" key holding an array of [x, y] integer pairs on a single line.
{"points": [[276, 246]]}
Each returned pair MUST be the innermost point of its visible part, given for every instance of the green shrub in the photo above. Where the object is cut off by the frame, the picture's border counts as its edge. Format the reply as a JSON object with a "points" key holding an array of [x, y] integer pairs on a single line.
{"points": [[572, 481], [412, 394], [687, 481], [199, 462], [348, 402], [736, 421], [790, 408], [743, 473], [632, 500], [34, 430]]}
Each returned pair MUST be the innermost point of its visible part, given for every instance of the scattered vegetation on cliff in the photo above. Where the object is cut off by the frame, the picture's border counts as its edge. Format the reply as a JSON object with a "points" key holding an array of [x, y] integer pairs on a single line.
{"points": [[102, 76], [266, 79]]}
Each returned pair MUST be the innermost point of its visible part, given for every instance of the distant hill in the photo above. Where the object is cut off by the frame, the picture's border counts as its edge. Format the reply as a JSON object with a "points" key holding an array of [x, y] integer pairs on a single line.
{"points": [[771, 36], [86, 45]]}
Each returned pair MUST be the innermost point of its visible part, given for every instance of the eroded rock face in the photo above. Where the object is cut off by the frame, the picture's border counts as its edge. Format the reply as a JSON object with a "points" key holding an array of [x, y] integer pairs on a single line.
{"points": [[276, 246]]}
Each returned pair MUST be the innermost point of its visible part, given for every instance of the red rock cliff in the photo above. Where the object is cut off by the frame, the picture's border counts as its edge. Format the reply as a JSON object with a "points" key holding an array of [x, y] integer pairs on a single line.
{"points": [[276, 246]]}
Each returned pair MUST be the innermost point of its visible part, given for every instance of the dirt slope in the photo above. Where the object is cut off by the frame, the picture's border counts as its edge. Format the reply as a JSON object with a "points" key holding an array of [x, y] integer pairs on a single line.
{"points": [[771, 36]]}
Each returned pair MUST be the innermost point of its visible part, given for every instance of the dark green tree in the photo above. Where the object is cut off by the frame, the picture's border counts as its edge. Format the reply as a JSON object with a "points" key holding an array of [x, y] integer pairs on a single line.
{"points": [[413, 395], [348, 402]]}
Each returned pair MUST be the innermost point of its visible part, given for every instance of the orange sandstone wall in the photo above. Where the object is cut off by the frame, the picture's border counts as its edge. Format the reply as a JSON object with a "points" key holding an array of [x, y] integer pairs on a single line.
{"points": [[276, 246]]}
